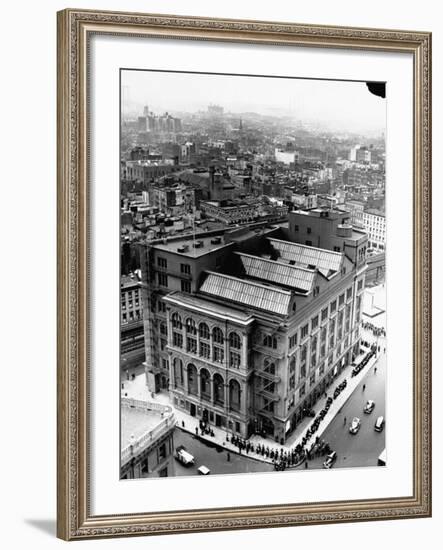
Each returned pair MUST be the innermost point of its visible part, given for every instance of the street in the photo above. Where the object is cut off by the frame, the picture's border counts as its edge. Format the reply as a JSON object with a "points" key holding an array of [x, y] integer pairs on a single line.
{"points": [[214, 458], [363, 448]]}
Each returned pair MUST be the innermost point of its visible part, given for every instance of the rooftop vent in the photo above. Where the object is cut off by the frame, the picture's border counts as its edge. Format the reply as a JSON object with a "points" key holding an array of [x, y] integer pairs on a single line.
{"points": [[216, 240], [183, 248], [198, 244]]}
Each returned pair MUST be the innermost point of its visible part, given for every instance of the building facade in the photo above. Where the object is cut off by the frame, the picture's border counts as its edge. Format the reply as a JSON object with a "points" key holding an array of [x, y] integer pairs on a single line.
{"points": [[255, 336], [132, 345], [375, 225]]}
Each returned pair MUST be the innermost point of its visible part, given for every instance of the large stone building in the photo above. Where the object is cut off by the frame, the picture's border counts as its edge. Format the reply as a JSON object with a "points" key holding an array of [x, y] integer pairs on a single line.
{"points": [[255, 327]]}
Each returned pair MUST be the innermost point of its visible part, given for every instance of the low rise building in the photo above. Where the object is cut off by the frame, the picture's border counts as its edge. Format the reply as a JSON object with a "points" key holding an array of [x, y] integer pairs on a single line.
{"points": [[147, 439]]}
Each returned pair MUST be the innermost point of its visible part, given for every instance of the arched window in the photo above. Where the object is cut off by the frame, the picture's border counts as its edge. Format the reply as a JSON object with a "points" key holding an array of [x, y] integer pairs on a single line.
{"points": [[204, 331], [234, 340], [219, 389], [205, 384], [190, 326], [234, 395], [270, 341], [178, 372], [217, 336], [176, 321], [192, 379]]}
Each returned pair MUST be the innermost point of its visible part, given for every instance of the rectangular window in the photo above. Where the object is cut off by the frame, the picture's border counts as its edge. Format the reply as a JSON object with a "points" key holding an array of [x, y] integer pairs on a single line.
{"points": [[161, 452], [304, 331], [302, 390], [324, 313], [234, 360], [177, 339], [162, 279], [308, 230], [162, 262], [292, 382], [185, 268], [312, 379], [341, 300], [333, 306], [296, 228], [191, 345], [360, 284], [308, 243], [331, 333], [314, 322], [219, 354], [205, 350], [185, 286], [349, 293], [336, 249], [293, 341]]}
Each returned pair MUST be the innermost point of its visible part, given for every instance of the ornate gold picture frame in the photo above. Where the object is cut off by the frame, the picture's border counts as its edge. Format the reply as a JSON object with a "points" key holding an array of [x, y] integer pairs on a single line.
{"points": [[75, 520]]}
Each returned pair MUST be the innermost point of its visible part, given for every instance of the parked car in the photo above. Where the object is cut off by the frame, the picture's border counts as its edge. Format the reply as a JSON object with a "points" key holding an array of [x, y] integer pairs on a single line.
{"points": [[379, 424], [203, 470], [330, 460], [182, 455], [369, 407], [355, 425]]}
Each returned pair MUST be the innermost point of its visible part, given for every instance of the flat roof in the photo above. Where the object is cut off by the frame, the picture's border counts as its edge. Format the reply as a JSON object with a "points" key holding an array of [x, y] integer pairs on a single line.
{"points": [[192, 251], [136, 422]]}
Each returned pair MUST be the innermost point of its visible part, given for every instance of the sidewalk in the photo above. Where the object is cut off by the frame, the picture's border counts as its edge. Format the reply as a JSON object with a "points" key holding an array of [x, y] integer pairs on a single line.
{"points": [[138, 390]]}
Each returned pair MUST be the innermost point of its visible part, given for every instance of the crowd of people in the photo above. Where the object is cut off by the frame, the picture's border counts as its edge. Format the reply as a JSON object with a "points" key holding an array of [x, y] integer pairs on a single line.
{"points": [[362, 363], [283, 459], [376, 331]]}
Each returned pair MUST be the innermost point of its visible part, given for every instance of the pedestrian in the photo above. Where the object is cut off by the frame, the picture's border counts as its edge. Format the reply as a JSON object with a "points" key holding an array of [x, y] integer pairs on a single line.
{"points": [[183, 423], [375, 370], [344, 421], [364, 387], [196, 430], [228, 457], [306, 465]]}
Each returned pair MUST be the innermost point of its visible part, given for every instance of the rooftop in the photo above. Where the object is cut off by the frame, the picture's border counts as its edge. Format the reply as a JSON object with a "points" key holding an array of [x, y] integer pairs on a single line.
{"points": [[208, 308], [299, 278], [193, 248], [327, 262], [246, 292], [127, 281], [135, 422]]}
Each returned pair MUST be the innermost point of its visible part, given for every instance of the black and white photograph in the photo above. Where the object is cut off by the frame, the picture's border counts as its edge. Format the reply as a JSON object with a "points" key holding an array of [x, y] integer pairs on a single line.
{"points": [[253, 330]]}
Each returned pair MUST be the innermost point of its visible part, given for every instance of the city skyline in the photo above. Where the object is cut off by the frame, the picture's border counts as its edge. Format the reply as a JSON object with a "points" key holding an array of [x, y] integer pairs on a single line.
{"points": [[343, 106]]}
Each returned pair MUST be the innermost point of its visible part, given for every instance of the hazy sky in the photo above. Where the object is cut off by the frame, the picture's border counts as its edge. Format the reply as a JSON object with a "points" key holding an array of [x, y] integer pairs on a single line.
{"points": [[346, 106]]}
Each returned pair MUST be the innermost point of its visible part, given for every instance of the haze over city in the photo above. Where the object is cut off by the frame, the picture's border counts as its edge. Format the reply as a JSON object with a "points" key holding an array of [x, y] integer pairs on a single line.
{"points": [[329, 105]]}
